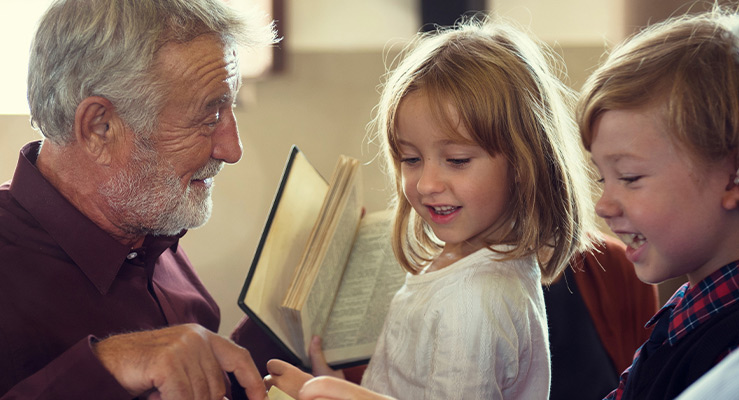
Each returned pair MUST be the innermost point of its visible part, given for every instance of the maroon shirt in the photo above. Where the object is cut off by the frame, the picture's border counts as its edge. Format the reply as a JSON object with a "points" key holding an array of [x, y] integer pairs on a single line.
{"points": [[65, 282]]}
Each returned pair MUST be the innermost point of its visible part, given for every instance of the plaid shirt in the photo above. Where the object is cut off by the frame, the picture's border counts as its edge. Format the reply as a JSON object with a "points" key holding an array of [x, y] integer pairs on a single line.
{"points": [[689, 308]]}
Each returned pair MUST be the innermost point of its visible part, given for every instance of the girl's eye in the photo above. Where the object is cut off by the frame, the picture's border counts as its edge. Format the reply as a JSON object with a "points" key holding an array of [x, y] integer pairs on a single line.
{"points": [[630, 179], [458, 161], [601, 180], [409, 160]]}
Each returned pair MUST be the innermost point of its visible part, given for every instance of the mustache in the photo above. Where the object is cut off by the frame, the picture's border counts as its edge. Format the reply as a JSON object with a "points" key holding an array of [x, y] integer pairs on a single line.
{"points": [[209, 170]]}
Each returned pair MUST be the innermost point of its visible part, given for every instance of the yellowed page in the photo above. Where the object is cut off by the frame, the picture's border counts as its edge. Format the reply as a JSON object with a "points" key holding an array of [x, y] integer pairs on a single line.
{"points": [[292, 223], [275, 393], [343, 181], [371, 278], [325, 283]]}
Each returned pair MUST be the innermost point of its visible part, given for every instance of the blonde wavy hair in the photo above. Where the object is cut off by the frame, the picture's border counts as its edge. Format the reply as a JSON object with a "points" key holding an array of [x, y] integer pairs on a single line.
{"points": [[505, 88]]}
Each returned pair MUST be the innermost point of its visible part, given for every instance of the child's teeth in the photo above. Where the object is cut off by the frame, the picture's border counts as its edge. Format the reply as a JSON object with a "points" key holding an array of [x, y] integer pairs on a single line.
{"points": [[633, 240], [444, 210]]}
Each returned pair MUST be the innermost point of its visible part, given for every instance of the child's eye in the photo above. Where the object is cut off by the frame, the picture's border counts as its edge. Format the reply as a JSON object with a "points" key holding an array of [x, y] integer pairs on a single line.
{"points": [[625, 179], [458, 161], [409, 160], [630, 179]]}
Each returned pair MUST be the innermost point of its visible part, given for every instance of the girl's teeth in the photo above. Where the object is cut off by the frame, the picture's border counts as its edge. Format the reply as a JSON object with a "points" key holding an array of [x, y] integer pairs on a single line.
{"points": [[445, 210], [633, 240]]}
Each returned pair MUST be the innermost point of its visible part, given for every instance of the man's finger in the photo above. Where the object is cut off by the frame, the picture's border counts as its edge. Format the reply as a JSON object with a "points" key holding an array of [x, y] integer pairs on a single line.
{"points": [[236, 359]]}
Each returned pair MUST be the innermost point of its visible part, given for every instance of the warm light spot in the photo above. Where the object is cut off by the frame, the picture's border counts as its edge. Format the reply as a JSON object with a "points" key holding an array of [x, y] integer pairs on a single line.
{"points": [[18, 19]]}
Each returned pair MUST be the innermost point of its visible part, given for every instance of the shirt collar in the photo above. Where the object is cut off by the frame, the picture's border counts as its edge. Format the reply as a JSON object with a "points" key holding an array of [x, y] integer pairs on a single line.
{"points": [[93, 250], [688, 308]]}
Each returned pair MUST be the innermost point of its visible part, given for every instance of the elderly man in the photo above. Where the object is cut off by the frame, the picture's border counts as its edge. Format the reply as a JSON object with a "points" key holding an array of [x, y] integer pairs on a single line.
{"points": [[97, 299]]}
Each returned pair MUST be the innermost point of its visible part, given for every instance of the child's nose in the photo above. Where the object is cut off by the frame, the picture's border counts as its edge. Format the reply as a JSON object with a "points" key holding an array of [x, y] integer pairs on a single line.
{"points": [[606, 207], [430, 180]]}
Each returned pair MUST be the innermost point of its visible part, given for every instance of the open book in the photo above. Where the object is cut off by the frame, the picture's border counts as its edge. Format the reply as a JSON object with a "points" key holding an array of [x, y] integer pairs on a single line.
{"points": [[320, 268], [276, 393]]}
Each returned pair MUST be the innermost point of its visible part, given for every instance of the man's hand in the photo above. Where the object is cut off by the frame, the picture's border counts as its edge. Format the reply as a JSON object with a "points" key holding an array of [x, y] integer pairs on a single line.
{"points": [[180, 362]]}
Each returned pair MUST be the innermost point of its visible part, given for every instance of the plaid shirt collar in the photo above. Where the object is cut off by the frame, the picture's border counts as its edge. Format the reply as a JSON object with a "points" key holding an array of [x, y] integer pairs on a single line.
{"points": [[689, 308]]}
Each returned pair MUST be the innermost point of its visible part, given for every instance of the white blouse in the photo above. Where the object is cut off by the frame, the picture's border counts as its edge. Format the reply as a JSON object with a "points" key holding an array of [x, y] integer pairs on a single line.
{"points": [[476, 329]]}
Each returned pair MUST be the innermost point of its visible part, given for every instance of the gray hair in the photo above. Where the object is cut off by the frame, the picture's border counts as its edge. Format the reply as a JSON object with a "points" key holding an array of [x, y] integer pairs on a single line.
{"points": [[107, 48]]}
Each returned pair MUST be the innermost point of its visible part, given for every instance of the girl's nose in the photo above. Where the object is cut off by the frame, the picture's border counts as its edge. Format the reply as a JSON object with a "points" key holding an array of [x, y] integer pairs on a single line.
{"points": [[430, 181]]}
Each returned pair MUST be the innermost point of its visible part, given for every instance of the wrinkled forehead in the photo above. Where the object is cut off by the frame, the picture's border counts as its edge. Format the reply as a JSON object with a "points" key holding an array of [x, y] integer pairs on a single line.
{"points": [[200, 74]]}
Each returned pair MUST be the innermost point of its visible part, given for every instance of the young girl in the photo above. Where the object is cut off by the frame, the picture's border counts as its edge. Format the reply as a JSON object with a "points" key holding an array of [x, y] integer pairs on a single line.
{"points": [[661, 120], [492, 197]]}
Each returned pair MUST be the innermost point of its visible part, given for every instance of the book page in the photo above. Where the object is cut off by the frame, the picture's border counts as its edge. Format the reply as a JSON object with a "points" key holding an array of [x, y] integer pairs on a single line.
{"points": [[275, 393], [370, 281], [344, 191], [289, 227], [320, 298]]}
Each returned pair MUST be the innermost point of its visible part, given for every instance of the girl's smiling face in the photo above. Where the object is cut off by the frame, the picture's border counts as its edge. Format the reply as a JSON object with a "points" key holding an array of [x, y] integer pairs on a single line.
{"points": [[663, 204], [457, 188]]}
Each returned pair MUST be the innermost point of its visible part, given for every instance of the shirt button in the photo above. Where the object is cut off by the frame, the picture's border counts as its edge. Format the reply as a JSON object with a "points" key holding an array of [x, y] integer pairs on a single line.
{"points": [[132, 255]]}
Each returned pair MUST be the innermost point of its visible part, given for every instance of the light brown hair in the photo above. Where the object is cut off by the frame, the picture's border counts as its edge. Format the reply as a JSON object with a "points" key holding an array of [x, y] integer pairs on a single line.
{"points": [[503, 86], [688, 63]]}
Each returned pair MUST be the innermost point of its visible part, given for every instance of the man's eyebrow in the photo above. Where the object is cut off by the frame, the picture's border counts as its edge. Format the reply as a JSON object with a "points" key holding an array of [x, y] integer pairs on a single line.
{"points": [[217, 102]]}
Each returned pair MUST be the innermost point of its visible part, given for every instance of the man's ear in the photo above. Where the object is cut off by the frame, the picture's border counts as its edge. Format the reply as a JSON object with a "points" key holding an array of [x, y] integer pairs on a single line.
{"points": [[95, 128]]}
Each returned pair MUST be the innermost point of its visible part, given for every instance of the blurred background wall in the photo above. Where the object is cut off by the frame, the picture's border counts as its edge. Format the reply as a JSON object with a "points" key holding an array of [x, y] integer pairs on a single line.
{"points": [[321, 94]]}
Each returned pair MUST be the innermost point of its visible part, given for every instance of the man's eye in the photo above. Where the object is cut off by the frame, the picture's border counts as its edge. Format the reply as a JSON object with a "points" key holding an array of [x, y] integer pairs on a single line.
{"points": [[213, 122]]}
